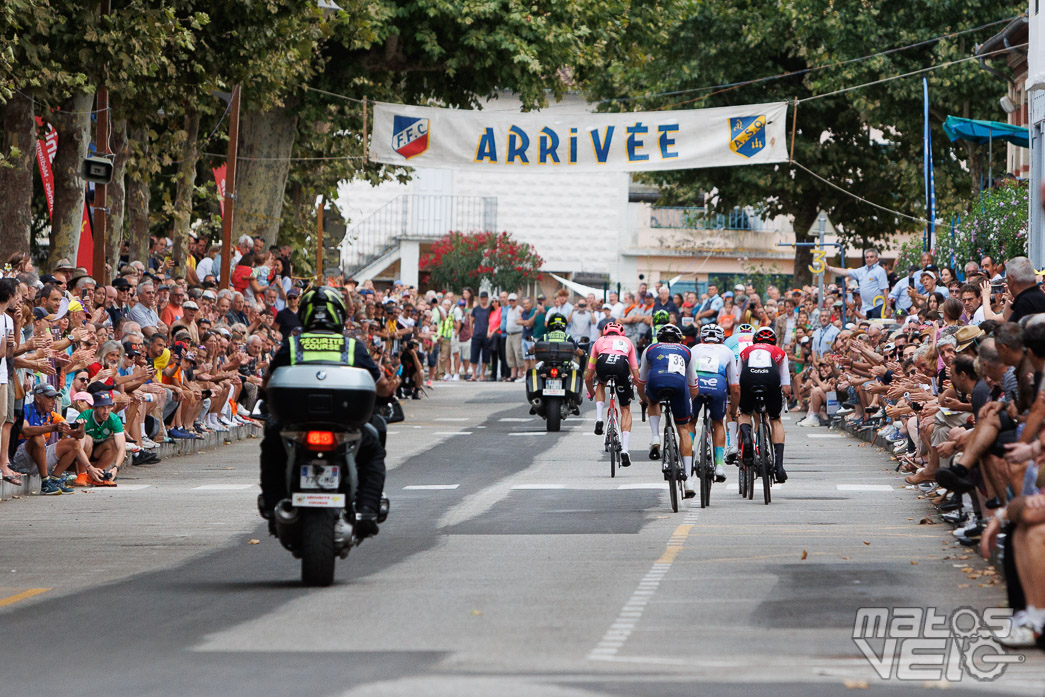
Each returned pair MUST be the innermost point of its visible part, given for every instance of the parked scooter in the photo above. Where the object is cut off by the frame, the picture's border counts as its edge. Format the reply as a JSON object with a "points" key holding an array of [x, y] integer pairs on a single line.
{"points": [[553, 386]]}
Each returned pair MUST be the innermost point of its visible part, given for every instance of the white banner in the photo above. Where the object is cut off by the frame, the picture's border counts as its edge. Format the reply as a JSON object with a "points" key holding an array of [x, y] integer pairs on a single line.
{"points": [[582, 142]]}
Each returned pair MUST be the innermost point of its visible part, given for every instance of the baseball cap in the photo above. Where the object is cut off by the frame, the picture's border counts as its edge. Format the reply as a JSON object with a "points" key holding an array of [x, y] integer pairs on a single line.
{"points": [[605, 306], [728, 294], [739, 286], [39, 313], [190, 305], [84, 397], [928, 273], [483, 294], [75, 306], [209, 294], [128, 348], [460, 303], [48, 278], [103, 399], [513, 296], [45, 389], [293, 292]]}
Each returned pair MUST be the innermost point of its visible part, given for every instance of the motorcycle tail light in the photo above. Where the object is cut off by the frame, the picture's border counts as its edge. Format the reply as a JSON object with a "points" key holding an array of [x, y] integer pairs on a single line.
{"points": [[320, 440], [555, 372]]}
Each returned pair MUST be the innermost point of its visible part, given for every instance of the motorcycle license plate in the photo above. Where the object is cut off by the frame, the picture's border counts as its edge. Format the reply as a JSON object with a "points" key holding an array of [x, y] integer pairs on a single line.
{"points": [[553, 388], [318, 500], [313, 477]]}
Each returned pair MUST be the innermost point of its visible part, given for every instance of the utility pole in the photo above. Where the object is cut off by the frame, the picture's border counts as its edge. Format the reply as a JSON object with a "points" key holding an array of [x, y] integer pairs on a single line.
{"points": [[230, 189], [100, 198]]}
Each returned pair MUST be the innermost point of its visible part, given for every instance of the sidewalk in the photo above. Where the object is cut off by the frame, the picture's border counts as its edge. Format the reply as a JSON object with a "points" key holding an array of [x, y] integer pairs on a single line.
{"points": [[179, 448]]}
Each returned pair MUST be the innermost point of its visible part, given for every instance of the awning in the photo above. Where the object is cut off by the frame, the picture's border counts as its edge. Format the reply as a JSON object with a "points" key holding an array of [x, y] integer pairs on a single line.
{"points": [[977, 131]]}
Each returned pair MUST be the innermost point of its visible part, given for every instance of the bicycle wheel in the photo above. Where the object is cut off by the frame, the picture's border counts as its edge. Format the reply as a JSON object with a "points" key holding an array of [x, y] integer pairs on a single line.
{"points": [[671, 460], [613, 462], [705, 468], [765, 452], [749, 477], [709, 458]]}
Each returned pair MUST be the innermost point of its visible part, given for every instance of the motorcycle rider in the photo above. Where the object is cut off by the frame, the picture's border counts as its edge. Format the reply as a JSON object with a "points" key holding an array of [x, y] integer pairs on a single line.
{"points": [[322, 340], [557, 334]]}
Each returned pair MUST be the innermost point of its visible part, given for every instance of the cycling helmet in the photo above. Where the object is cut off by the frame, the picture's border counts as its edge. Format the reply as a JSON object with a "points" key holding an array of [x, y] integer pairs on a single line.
{"points": [[613, 329], [661, 317], [669, 334], [765, 335], [745, 329], [556, 323], [322, 308], [712, 334]]}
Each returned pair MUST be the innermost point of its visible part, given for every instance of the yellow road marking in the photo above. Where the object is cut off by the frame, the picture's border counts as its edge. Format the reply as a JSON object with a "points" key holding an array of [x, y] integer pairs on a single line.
{"points": [[12, 599], [675, 544]]}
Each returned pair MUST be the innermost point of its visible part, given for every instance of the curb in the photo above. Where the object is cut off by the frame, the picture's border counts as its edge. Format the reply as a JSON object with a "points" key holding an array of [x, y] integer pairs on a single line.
{"points": [[179, 448]]}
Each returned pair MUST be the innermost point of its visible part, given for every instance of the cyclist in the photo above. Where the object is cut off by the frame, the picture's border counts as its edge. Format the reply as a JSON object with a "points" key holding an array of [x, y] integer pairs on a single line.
{"points": [[660, 319], [613, 355], [763, 363], [719, 386], [741, 338], [668, 365]]}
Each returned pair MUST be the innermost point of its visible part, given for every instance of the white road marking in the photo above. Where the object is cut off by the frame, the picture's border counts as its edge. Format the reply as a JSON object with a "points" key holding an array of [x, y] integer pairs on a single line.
{"points": [[529, 433], [430, 487], [453, 433], [453, 418], [131, 487], [392, 433], [865, 487], [537, 486], [222, 487], [647, 485], [516, 420], [628, 618], [824, 435]]}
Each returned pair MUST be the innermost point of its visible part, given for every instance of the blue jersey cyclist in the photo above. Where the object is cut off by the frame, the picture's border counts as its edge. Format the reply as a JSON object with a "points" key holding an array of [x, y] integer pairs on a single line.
{"points": [[718, 380], [668, 372]]}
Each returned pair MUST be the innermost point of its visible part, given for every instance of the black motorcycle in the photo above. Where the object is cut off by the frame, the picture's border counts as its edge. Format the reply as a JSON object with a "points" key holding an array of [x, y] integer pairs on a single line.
{"points": [[553, 386], [321, 411]]}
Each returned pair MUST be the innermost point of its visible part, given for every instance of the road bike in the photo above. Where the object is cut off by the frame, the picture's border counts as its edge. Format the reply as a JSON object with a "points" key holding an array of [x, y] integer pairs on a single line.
{"points": [[704, 463], [674, 472], [612, 442], [762, 445]]}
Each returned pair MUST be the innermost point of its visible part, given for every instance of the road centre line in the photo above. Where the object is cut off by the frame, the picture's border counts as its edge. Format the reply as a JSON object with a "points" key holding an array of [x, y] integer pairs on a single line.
{"points": [[222, 487], [453, 418], [431, 487], [537, 487], [621, 628], [453, 433], [12, 599], [824, 435]]}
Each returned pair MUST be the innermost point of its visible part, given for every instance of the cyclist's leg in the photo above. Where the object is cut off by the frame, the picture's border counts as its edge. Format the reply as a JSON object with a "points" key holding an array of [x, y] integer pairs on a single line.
{"points": [[601, 375], [653, 418], [745, 408], [625, 393], [774, 405], [682, 410]]}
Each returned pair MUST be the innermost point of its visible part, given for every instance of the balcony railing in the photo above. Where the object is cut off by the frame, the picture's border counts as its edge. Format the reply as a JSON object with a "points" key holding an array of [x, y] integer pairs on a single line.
{"points": [[697, 218], [414, 216]]}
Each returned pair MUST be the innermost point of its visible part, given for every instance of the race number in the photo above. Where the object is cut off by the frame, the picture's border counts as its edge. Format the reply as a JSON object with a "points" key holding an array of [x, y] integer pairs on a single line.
{"points": [[759, 358], [707, 364], [818, 265], [620, 345], [676, 364]]}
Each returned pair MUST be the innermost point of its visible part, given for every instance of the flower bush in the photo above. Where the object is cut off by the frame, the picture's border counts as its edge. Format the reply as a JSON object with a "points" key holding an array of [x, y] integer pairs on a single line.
{"points": [[459, 259], [995, 226]]}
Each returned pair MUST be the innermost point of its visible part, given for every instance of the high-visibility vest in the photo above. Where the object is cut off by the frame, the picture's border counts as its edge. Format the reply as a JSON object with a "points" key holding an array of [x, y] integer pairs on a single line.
{"points": [[446, 327], [322, 347]]}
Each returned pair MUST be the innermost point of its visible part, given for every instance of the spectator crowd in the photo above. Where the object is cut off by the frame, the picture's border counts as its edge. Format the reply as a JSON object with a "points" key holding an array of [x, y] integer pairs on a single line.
{"points": [[945, 365]]}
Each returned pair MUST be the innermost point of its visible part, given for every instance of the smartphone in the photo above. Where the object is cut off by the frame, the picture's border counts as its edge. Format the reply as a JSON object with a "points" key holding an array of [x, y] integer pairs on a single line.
{"points": [[997, 288]]}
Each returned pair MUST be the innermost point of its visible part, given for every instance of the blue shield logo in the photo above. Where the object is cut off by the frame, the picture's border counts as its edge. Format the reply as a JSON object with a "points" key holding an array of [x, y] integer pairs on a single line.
{"points": [[747, 134], [409, 135]]}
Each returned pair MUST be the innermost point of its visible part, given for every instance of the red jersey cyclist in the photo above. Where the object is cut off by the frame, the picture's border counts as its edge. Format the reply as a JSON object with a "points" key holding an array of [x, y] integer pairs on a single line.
{"points": [[613, 355], [764, 364]]}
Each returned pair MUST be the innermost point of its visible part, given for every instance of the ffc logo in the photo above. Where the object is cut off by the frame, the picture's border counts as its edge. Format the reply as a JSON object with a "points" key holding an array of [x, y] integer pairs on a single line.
{"points": [[747, 135], [409, 135]]}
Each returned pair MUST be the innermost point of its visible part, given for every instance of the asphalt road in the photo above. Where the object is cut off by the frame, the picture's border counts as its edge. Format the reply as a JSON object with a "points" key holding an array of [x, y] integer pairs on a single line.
{"points": [[512, 564]]}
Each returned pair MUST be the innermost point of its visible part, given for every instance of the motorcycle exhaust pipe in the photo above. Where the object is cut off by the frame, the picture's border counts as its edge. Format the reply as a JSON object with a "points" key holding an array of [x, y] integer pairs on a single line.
{"points": [[285, 513]]}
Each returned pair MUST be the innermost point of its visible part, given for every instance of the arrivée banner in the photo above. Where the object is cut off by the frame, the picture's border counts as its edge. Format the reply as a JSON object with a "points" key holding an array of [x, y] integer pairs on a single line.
{"points": [[579, 142]]}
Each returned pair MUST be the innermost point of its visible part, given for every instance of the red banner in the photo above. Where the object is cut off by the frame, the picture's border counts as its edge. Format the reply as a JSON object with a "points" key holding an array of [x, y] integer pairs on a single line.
{"points": [[46, 148], [219, 178], [45, 151]]}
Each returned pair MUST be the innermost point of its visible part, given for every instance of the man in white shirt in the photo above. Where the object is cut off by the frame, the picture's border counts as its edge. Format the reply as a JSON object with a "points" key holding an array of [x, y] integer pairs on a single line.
{"points": [[206, 266], [513, 342], [616, 306]]}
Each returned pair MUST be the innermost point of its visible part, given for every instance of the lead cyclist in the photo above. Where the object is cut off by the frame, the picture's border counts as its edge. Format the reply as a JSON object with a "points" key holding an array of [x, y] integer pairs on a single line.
{"points": [[742, 337], [719, 385]]}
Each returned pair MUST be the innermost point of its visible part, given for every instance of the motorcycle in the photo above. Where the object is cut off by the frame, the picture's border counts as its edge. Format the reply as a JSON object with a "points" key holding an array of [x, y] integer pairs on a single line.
{"points": [[321, 411], [553, 386]]}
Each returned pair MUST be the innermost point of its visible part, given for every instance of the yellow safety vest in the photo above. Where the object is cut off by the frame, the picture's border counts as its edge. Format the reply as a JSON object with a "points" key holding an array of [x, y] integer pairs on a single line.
{"points": [[321, 347], [446, 327]]}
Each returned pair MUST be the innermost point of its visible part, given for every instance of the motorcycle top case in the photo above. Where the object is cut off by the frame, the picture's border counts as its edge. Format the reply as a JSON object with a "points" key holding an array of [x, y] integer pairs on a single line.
{"points": [[553, 351], [337, 396], [571, 381]]}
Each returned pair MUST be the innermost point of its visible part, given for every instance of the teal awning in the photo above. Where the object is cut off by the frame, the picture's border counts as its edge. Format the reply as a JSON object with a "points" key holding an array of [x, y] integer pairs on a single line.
{"points": [[985, 131]]}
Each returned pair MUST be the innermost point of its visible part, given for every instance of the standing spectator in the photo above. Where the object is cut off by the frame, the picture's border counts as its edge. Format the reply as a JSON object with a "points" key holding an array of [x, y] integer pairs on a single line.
{"points": [[447, 333], [479, 351], [513, 337], [287, 318], [580, 321], [663, 302], [709, 310], [494, 335], [873, 280], [616, 306]]}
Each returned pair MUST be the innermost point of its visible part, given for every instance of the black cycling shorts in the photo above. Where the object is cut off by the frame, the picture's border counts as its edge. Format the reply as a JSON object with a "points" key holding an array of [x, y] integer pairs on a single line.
{"points": [[615, 366], [768, 381]]}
